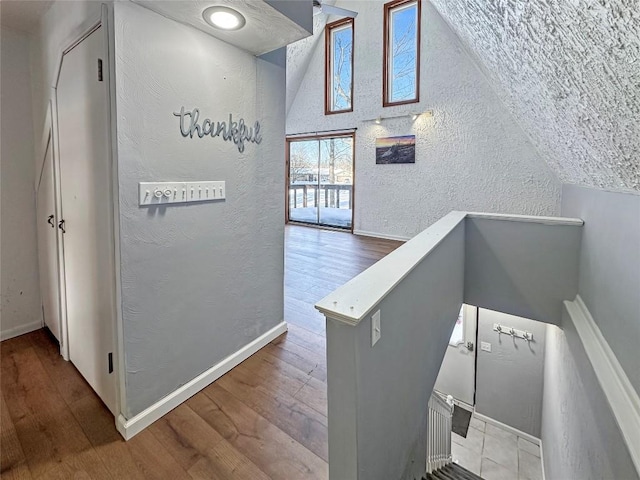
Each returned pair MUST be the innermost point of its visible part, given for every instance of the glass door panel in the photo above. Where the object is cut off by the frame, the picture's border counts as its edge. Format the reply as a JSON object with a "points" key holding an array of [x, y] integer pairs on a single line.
{"points": [[335, 182], [303, 181], [320, 189]]}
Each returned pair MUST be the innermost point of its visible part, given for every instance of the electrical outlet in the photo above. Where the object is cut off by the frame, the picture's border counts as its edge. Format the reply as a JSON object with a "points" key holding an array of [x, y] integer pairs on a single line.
{"points": [[485, 347], [375, 328]]}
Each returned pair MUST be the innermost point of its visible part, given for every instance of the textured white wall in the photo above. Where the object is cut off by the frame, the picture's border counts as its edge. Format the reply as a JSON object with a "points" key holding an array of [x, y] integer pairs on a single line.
{"points": [[470, 156], [20, 303], [199, 281], [569, 72]]}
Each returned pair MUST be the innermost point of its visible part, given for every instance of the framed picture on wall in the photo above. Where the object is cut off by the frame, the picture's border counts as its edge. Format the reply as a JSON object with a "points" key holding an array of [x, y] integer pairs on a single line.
{"points": [[400, 149]]}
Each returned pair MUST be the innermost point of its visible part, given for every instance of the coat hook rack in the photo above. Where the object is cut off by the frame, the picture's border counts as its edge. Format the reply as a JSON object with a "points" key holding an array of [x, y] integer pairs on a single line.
{"points": [[514, 332]]}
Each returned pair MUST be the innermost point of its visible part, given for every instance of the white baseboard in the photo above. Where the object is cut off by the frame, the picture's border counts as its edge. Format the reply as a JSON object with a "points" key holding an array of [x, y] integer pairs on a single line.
{"points": [[20, 330], [129, 428], [381, 235], [620, 393], [506, 427]]}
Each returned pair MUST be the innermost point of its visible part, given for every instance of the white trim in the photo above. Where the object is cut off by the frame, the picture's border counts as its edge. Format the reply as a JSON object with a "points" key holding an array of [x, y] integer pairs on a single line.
{"points": [[506, 427], [622, 397], [20, 330], [381, 235], [129, 428], [527, 218], [108, 21], [544, 476]]}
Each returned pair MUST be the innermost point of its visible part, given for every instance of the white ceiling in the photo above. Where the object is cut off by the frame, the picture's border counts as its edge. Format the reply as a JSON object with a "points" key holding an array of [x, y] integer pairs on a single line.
{"points": [[23, 15], [266, 29]]}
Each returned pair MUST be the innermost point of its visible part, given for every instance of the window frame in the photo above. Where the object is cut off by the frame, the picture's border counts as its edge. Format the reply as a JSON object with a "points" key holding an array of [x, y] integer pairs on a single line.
{"points": [[386, 60], [328, 64]]}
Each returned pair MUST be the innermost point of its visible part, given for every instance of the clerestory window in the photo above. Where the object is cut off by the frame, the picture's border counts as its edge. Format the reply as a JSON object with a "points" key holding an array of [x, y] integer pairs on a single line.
{"points": [[339, 66], [401, 69]]}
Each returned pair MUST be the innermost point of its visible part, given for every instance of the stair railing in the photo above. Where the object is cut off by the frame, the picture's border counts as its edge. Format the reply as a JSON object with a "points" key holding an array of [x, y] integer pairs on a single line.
{"points": [[439, 435]]}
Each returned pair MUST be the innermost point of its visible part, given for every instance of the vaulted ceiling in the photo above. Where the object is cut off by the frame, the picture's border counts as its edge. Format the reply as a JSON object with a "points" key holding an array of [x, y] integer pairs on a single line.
{"points": [[569, 71]]}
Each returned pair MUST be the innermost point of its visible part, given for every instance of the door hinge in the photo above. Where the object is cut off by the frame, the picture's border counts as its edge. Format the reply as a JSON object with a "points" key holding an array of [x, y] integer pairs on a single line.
{"points": [[110, 362], [99, 69]]}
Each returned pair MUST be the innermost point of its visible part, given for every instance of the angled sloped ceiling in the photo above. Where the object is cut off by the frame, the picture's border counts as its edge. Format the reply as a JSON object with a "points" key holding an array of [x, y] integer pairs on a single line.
{"points": [[569, 71]]}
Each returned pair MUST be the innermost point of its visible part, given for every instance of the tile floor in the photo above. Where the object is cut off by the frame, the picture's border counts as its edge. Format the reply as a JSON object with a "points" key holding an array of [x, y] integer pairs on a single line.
{"points": [[496, 454]]}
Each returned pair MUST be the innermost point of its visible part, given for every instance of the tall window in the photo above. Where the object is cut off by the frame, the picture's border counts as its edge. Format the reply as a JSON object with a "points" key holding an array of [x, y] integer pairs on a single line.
{"points": [[401, 52], [339, 66]]}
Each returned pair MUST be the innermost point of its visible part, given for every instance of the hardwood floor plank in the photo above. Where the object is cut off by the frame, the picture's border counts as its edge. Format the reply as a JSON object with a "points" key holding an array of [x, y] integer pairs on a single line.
{"points": [[200, 449], [276, 374], [272, 450], [13, 463], [153, 460], [305, 338], [314, 394], [50, 438], [63, 374], [292, 416], [26, 387], [309, 362]]}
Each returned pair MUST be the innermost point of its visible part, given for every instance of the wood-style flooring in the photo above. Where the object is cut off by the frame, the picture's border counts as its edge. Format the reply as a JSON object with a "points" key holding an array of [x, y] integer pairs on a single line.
{"points": [[266, 419]]}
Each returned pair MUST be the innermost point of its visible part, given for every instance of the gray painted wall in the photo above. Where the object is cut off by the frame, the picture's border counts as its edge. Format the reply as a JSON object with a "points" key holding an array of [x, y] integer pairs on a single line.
{"points": [[580, 438], [20, 292], [199, 281], [520, 268], [393, 379], [610, 267], [510, 378]]}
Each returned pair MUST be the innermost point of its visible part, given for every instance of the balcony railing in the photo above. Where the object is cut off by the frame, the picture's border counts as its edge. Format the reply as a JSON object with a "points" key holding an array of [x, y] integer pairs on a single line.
{"points": [[303, 195]]}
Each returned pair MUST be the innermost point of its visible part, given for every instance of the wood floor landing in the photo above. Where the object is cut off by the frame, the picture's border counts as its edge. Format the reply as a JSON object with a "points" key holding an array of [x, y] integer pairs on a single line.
{"points": [[267, 418]]}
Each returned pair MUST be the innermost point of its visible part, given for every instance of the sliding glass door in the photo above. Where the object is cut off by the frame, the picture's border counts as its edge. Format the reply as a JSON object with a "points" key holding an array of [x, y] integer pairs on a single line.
{"points": [[320, 184]]}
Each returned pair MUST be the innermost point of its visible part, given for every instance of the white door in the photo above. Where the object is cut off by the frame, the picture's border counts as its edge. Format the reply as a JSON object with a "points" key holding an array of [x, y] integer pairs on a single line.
{"points": [[458, 370], [87, 214], [48, 245]]}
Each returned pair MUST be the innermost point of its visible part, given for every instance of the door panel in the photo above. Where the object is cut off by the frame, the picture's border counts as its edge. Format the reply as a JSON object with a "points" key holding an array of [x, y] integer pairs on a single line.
{"points": [[320, 189], [336, 165], [457, 373], [303, 181], [48, 246], [87, 212]]}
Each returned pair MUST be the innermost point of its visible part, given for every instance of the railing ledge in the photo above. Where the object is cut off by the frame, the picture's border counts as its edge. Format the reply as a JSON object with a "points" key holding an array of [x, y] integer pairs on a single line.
{"points": [[352, 302]]}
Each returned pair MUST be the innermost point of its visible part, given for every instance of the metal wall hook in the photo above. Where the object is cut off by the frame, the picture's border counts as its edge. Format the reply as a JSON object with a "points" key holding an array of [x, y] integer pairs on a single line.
{"points": [[61, 226], [50, 221]]}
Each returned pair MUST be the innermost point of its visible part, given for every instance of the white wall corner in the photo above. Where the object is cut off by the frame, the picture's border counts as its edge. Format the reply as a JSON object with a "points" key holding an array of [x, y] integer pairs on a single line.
{"points": [[128, 428], [622, 397], [20, 330]]}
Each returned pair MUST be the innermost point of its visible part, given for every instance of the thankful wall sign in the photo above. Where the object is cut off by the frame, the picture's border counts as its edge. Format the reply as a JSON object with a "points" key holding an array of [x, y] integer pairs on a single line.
{"points": [[232, 131]]}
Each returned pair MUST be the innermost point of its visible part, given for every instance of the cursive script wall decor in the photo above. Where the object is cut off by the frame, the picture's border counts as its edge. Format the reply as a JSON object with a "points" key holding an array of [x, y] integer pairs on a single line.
{"points": [[236, 132]]}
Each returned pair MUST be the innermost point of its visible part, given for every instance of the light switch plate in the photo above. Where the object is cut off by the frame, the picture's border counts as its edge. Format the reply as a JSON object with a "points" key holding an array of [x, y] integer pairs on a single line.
{"points": [[485, 346], [375, 328]]}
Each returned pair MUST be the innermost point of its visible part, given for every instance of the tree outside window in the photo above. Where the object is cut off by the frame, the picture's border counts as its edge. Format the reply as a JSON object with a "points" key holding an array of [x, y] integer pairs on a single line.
{"points": [[339, 67], [401, 52]]}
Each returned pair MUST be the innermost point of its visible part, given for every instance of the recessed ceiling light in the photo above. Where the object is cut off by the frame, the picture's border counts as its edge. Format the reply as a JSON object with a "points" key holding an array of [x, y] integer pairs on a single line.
{"points": [[224, 18]]}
